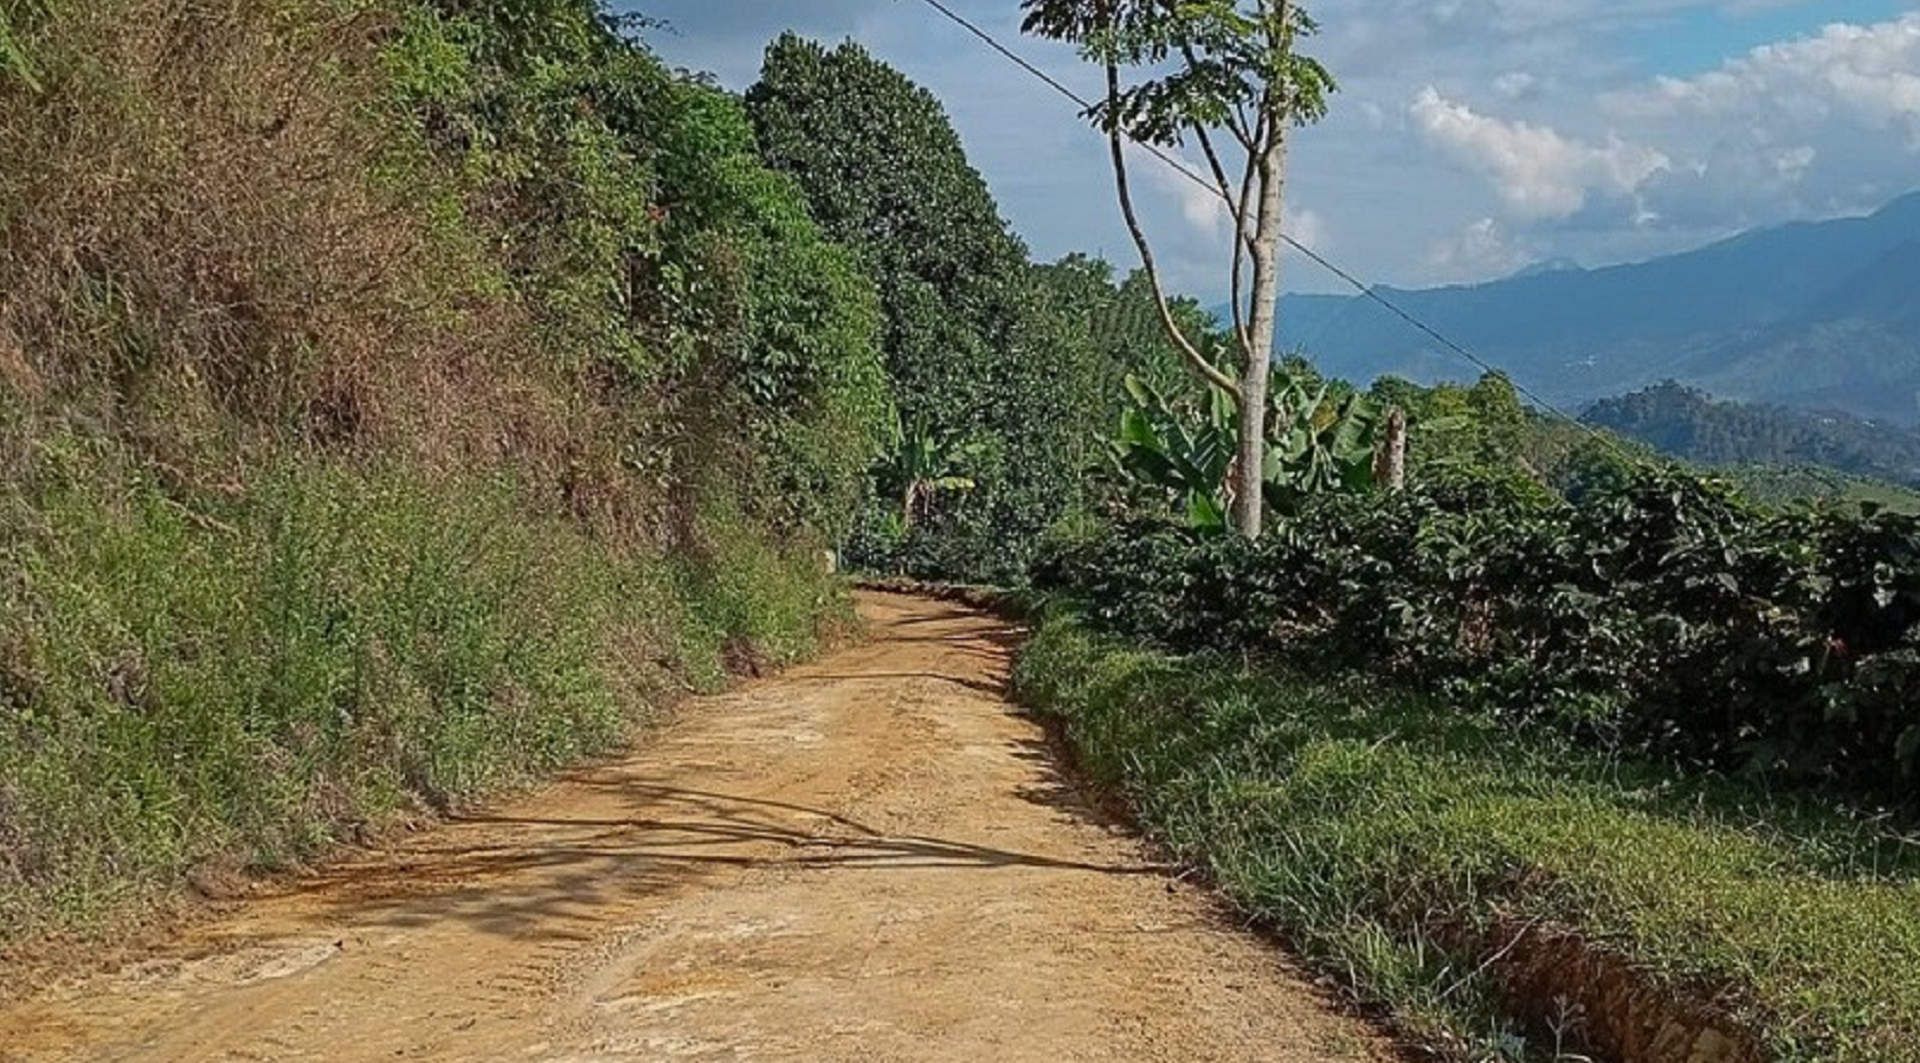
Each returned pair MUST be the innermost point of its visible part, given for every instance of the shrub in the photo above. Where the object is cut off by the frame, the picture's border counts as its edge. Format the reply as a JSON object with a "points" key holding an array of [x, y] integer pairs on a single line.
{"points": [[1658, 615]]}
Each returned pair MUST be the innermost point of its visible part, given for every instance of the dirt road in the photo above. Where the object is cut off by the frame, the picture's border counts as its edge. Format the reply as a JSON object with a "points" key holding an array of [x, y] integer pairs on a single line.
{"points": [[868, 858]]}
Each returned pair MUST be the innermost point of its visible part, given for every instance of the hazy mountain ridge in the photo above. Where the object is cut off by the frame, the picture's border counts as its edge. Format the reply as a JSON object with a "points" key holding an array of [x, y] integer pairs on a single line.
{"points": [[1810, 314], [1687, 423]]}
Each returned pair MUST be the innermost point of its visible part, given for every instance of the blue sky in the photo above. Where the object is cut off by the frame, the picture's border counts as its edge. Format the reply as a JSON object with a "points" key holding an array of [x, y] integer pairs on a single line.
{"points": [[1470, 138], [1698, 38]]}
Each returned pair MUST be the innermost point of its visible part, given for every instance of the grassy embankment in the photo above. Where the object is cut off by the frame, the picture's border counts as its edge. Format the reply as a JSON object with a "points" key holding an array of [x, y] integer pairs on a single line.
{"points": [[1486, 887], [378, 423], [244, 678]]}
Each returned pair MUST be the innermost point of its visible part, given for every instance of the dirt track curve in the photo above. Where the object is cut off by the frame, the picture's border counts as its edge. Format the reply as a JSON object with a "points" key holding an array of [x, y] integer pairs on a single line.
{"points": [[868, 858]]}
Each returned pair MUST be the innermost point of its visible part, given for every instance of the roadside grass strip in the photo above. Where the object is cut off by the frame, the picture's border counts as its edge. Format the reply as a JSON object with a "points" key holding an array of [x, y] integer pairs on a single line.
{"points": [[1501, 895]]}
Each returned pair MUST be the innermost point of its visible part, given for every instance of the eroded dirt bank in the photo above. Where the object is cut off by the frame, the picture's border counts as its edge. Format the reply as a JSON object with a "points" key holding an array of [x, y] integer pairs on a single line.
{"points": [[868, 858]]}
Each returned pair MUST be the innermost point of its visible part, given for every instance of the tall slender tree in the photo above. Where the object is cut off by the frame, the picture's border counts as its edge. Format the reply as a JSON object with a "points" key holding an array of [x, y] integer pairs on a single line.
{"points": [[1224, 75]]}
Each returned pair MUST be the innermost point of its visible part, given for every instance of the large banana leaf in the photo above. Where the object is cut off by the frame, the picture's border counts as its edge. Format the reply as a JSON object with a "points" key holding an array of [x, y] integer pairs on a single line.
{"points": [[1318, 443], [1180, 452]]}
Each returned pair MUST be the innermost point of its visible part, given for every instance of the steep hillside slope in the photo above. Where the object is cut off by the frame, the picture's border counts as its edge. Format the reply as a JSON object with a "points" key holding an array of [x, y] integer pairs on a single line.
{"points": [[1687, 423], [397, 399], [1856, 348]]}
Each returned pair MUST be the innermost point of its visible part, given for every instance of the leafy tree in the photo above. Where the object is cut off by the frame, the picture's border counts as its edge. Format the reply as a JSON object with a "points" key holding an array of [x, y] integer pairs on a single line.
{"points": [[977, 345], [660, 257], [1688, 423], [1226, 74], [1481, 426], [1495, 404], [1122, 321]]}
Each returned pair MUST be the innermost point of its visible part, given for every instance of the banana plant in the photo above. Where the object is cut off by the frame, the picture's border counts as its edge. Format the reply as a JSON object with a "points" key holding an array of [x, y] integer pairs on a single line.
{"points": [[1179, 451], [1184, 451], [922, 463], [1319, 443]]}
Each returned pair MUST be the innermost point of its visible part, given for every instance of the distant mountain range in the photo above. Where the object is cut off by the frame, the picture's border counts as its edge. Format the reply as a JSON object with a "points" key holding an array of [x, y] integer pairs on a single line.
{"points": [[1816, 315]]}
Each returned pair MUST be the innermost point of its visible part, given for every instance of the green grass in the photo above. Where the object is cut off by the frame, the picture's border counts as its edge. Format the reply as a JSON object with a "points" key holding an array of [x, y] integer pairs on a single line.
{"points": [[1368, 826], [191, 677]]}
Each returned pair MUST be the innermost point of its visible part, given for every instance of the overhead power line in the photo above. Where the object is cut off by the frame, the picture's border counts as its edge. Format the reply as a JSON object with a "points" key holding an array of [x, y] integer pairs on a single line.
{"points": [[1367, 291]]}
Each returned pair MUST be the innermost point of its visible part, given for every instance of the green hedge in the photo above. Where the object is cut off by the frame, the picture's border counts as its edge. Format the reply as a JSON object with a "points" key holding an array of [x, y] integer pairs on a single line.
{"points": [[1390, 836], [1661, 616]]}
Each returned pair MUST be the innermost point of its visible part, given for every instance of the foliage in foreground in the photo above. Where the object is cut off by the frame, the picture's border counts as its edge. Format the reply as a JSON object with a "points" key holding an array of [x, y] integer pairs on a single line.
{"points": [[1384, 835], [247, 678], [1174, 455], [1658, 616], [397, 398]]}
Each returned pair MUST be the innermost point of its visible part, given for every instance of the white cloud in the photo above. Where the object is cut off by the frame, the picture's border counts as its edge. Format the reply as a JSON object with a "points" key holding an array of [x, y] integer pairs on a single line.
{"points": [[1544, 134], [1308, 227], [1538, 172], [1515, 84], [1200, 206], [1482, 249], [1868, 74], [1824, 124], [1791, 164]]}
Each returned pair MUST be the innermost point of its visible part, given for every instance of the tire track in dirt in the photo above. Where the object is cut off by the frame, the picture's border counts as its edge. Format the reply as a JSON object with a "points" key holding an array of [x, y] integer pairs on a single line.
{"points": [[872, 857]]}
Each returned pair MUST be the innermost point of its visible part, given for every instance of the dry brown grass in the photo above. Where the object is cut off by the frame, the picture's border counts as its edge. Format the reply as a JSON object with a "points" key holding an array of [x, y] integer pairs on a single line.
{"points": [[213, 243]]}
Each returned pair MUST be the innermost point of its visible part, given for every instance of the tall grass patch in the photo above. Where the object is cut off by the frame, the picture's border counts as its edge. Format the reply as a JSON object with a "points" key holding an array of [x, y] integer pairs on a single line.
{"points": [[252, 674]]}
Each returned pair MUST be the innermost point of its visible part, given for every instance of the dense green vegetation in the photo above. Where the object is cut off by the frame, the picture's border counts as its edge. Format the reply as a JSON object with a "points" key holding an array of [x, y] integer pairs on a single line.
{"points": [[978, 347], [399, 398], [1655, 616], [1490, 886], [1687, 423], [1555, 684], [1807, 485], [396, 399], [1485, 425], [1121, 321]]}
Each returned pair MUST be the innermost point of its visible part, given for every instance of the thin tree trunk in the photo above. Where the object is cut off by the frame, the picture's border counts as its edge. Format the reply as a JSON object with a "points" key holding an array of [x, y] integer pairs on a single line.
{"points": [[1196, 360], [1249, 505]]}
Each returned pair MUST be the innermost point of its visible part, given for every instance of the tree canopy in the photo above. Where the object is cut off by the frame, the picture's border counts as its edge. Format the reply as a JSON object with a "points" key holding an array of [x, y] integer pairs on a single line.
{"points": [[976, 343]]}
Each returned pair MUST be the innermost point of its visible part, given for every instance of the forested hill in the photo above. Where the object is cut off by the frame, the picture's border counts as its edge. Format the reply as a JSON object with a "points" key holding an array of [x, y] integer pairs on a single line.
{"points": [[1809, 314], [1687, 423]]}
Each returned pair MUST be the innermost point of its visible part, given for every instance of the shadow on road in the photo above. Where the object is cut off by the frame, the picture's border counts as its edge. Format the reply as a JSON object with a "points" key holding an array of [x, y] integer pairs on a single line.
{"points": [[510, 875]]}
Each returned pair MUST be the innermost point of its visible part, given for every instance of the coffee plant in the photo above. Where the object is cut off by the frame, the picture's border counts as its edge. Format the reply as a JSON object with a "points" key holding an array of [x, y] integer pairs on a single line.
{"points": [[1660, 615]]}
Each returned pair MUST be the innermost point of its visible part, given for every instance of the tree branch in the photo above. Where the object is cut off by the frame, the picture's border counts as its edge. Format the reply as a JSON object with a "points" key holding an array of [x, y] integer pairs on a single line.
{"points": [[1241, 128], [1243, 210], [1213, 164], [1116, 143]]}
